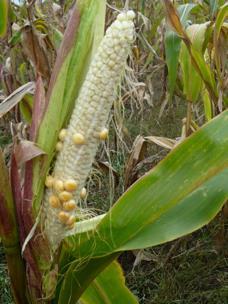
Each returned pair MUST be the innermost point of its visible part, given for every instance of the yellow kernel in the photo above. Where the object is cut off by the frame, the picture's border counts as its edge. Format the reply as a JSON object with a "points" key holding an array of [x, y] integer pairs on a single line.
{"points": [[54, 201], [58, 185], [63, 217], [49, 181], [71, 226], [71, 220], [103, 135], [70, 205], [70, 185], [62, 134], [78, 139], [83, 193], [59, 146], [65, 196]]}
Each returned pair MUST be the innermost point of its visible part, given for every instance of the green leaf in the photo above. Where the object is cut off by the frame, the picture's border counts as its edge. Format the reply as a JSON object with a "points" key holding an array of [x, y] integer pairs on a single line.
{"points": [[205, 72], [4, 10], [26, 108], [222, 15], [213, 6], [202, 68], [207, 105], [109, 287], [183, 193], [172, 47], [192, 82]]}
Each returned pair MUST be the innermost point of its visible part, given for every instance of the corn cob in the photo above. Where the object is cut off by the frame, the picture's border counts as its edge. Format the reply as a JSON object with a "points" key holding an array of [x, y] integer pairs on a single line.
{"points": [[87, 128]]}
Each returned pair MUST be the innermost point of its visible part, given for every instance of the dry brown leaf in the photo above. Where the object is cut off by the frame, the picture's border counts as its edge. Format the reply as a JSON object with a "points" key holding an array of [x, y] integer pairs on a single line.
{"points": [[35, 50], [164, 142], [26, 150], [16, 97], [137, 155]]}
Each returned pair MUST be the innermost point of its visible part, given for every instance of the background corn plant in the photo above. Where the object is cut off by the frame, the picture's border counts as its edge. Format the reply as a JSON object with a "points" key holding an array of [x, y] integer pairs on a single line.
{"points": [[184, 192]]}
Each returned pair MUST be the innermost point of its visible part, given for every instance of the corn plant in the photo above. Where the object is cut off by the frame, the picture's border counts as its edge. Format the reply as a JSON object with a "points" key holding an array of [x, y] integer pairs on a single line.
{"points": [[57, 250], [199, 50]]}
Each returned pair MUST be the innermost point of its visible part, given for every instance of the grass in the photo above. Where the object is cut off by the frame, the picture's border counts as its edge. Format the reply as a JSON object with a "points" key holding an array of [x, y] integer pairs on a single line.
{"points": [[192, 270], [5, 294]]}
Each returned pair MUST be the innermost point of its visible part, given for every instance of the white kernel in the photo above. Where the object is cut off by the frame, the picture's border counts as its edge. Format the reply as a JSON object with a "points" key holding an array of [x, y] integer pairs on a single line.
{"points": [[117, 25], [122, 17], [125, 25], [130, 15]]}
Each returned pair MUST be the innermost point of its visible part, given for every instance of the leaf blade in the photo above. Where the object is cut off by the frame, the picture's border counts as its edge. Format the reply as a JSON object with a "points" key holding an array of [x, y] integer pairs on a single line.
{"points": [[4, 10], [109, 288]]}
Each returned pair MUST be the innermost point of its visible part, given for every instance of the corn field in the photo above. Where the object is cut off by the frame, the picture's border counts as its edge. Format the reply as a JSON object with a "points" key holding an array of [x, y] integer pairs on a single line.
{"points": [[113, 151]]}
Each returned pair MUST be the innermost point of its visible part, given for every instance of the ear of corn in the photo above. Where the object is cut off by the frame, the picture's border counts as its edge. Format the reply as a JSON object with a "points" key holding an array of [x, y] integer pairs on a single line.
{"points": [[87, 124]]}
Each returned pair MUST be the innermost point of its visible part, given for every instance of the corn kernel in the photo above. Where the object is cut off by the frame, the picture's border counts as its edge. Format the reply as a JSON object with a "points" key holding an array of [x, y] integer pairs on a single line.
{"points": [[71, 220], [71, 226], [65, 196], [70, 185], [49, 181], [70, 205], [122, 17], [63, 217], [103, 135], [59, 146], [83, 193], [62, 134], [58, 185], [78, 139], [130, 15], [54, 201]]}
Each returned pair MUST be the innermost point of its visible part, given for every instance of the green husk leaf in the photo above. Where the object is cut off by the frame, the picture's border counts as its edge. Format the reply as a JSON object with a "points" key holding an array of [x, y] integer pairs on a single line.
{"points": [[10, 237], [72, 64], [26, 108]]}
